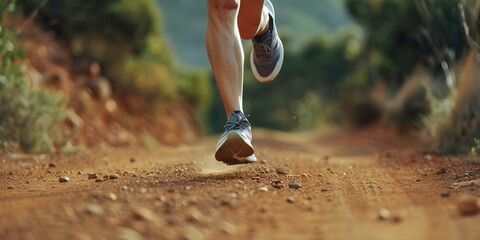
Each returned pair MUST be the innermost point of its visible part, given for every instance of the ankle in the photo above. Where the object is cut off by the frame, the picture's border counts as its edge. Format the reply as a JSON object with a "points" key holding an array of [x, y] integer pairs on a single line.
{"points": [[266, 19]]}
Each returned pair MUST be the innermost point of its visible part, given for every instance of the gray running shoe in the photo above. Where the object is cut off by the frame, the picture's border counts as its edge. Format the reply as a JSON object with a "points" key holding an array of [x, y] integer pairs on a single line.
{"points": [[266, 57], [235, 145]]}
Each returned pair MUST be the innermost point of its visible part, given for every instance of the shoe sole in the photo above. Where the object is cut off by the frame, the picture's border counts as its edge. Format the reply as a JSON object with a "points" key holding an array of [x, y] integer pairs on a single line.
{"points": [[234, 150]]}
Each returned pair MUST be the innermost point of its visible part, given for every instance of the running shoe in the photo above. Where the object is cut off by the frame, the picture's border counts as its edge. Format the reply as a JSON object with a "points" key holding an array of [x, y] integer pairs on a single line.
{"points": [[266, 57], [235, 145]]}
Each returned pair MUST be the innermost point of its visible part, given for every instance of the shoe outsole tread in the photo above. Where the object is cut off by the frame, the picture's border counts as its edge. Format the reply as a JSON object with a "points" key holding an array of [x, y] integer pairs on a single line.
{"points": [[234, 151]]}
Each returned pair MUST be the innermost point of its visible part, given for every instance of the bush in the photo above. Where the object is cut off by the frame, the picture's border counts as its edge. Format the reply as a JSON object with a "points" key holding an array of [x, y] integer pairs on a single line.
{"points": [[28, 114]]}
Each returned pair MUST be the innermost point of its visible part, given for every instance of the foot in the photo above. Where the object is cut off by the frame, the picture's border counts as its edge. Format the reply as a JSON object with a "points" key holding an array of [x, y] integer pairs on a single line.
{"points": [[266, 57], [235, 145]]}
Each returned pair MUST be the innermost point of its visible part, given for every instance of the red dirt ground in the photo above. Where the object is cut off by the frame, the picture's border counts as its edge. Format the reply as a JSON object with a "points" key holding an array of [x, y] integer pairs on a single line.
{"points": [[183, 193]]}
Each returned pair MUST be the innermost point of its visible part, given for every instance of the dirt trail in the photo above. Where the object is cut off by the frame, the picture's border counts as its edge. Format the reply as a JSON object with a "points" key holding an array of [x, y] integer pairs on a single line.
{"points": [[182, 193]]}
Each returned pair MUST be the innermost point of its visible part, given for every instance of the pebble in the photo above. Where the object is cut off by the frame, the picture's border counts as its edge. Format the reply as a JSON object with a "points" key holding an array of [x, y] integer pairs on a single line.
{"points": [[445, 194], [256, 178], [113, 176], [278, 184], [142, 214], [194, 215], [263, 189], [228, 228], [192, 233], [63, 179], [99, 180], [283, 170], [94, 209], [52, 165], [294, 184], [469, 206], [128, 233], [92, 175], [113, 196], [290, 199], [10, 187], [383, 214]]}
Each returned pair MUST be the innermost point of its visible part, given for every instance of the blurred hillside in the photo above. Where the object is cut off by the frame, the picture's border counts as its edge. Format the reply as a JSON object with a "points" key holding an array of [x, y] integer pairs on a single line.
{"points": [[187, 34], [91, 73]]}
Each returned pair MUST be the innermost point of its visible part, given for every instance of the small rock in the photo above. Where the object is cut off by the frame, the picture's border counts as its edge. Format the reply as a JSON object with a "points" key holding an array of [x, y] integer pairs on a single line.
{"points": [[124, 187], [469, 206], [278, 184], [28, 182], [445, 194], [79, 172], [192, 233], [10, 187], [428, 157], [99, 180], [283, 170], [263, 189], [256, 178], [142, 214], [52, 165], [129, 234], [194, 215], [113, 196], [228, 228], [132, 160], [63, 179], [113, 176], [290, 199], [383, 214], [304, 175], [294, 184], [94, 209], [92, 176]]}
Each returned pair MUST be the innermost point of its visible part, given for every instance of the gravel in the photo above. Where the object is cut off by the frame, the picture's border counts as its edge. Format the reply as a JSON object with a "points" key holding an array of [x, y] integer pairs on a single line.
{"points": [[278, 184], [294, 185], [383, 214], [263, 189], [283, 170], [63, 179], [92, 176], [113, 176]]}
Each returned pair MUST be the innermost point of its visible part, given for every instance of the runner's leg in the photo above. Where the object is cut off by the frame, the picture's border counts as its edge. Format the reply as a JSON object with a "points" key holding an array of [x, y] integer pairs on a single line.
{"points": [[252, 18], [225, 52]]}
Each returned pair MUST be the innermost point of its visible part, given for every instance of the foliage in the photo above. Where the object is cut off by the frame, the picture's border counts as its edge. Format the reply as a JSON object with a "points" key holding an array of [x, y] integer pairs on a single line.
{"points": [[125, 37], [28, 114], [404, 34], [306, 89], [439, 37]]}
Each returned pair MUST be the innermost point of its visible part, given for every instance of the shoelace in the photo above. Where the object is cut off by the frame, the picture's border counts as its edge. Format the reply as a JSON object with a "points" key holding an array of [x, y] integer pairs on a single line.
{"points": [[263, 51], [240, 124]]}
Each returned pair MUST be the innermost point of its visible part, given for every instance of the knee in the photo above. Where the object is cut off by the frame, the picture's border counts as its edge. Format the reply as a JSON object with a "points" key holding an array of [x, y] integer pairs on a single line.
{"points": [[220, 8]]}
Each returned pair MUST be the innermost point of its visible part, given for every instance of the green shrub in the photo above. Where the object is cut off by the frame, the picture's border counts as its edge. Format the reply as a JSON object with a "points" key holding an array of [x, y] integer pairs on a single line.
{"points": [[28, 114]]}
